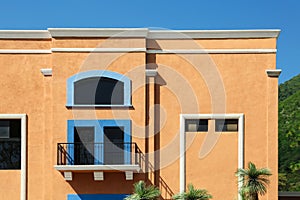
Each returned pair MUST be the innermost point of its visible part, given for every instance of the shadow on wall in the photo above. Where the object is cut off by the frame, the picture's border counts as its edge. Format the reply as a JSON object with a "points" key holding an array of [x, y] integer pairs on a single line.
{"points": [[166, 191], [153, 175], [115, 183]]}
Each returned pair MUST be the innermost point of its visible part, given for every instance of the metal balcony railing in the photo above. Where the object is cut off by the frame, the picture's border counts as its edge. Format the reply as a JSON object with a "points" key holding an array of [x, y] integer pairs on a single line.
{"points": [[98, 154]]}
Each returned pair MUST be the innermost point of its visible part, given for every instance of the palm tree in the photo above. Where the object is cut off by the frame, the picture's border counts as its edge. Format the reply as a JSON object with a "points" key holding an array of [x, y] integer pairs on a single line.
{"points": [[254, 181], [193, 194], [143, 192]]}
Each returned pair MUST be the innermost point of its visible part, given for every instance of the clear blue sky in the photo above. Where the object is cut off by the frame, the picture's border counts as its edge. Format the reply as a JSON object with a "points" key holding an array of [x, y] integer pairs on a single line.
{"points": [[175, 14]]}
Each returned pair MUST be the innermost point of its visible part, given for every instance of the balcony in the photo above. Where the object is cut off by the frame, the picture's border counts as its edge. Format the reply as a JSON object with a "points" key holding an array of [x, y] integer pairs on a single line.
{"points": [[98, 158]]}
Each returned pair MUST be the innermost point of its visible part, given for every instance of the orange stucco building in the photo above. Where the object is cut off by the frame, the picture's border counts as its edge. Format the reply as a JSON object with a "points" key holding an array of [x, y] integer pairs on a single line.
{"points": [[85, 113]]}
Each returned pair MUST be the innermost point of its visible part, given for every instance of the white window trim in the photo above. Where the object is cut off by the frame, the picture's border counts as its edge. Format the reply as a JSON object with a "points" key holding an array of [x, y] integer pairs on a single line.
{"points": [[23, 149], [183, 117]]}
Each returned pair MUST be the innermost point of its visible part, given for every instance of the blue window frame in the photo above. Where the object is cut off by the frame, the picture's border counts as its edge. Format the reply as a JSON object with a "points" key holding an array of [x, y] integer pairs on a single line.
{"points": [[97, 196], [118, 82], [99, 126]]}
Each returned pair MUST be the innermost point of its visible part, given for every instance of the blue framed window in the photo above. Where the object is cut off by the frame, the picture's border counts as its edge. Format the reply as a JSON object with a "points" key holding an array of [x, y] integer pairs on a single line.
{"points": [[98, 88], [96, 142], [96, 196]]}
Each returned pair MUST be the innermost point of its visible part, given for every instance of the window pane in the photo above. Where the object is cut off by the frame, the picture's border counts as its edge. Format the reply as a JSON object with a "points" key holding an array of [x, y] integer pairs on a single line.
{"points": [[99, 91], [10, 144], [196, 125], [84, 138], [109, 91], [15, 128], [4, 129], [113, 145], [226, 125]]}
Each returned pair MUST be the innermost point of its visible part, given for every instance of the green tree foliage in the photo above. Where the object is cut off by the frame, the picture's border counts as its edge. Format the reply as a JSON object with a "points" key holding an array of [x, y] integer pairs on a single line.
{"points": [[193, 194], [289, 135], [254, 180], [143, 192], [289, 88]]}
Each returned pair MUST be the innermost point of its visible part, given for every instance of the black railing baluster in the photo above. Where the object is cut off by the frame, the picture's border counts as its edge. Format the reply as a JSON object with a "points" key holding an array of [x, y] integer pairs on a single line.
{"points": [[135, 154], [57, 154]]}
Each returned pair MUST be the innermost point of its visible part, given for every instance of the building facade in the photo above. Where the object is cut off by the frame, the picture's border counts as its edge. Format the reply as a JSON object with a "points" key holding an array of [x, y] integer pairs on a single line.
{"points": [[85, 113]]}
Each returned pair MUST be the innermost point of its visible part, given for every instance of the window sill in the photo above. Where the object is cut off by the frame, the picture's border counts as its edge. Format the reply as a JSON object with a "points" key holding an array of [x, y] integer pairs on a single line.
{"points": [[99, 106]]}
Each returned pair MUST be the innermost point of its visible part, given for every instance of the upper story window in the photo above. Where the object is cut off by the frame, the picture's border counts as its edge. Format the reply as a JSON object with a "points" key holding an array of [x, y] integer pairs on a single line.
{"points": [[98, 88], [196, 125], [98, 91], [226, 125], [10, 144]]}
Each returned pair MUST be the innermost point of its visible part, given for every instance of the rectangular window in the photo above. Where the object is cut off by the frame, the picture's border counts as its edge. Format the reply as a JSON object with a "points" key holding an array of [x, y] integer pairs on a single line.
{"points": [[196, 125], [4, 129], [226, 125], [10, 143]]}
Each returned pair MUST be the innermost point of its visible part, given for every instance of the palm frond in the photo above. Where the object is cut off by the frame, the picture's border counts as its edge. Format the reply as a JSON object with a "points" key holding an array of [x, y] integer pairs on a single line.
{"points": [[193, 194], [254, 181], [143, 192]]}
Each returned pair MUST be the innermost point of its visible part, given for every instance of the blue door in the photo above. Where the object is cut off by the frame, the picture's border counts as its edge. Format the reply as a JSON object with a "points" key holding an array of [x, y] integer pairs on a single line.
{"points": [[117, 132], [96, 196]]}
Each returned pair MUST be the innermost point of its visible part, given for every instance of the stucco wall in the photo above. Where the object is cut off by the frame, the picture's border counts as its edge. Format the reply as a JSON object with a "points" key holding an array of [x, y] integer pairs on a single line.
{"points": [[185, 85]]}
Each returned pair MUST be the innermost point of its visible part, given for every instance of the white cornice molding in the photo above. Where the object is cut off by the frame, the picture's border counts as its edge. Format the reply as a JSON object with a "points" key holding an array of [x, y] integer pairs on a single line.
{"points": [[273, 72], [128, 50], [98, 32], [25, 51], [137, 32], [211, 51], [99, 50], [24, 34], [195, 34]]}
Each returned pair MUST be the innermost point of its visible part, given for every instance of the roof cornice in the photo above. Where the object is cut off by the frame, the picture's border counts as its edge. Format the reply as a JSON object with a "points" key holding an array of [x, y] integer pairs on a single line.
{"points": [[195, 34], [24, 34], [137, 33], [98, 32]]}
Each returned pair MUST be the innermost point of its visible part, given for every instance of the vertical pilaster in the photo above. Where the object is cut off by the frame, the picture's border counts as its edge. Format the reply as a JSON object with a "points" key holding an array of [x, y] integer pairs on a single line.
{"points": [[49, 153], [272, 131], [151, 126], [152, 103]]}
